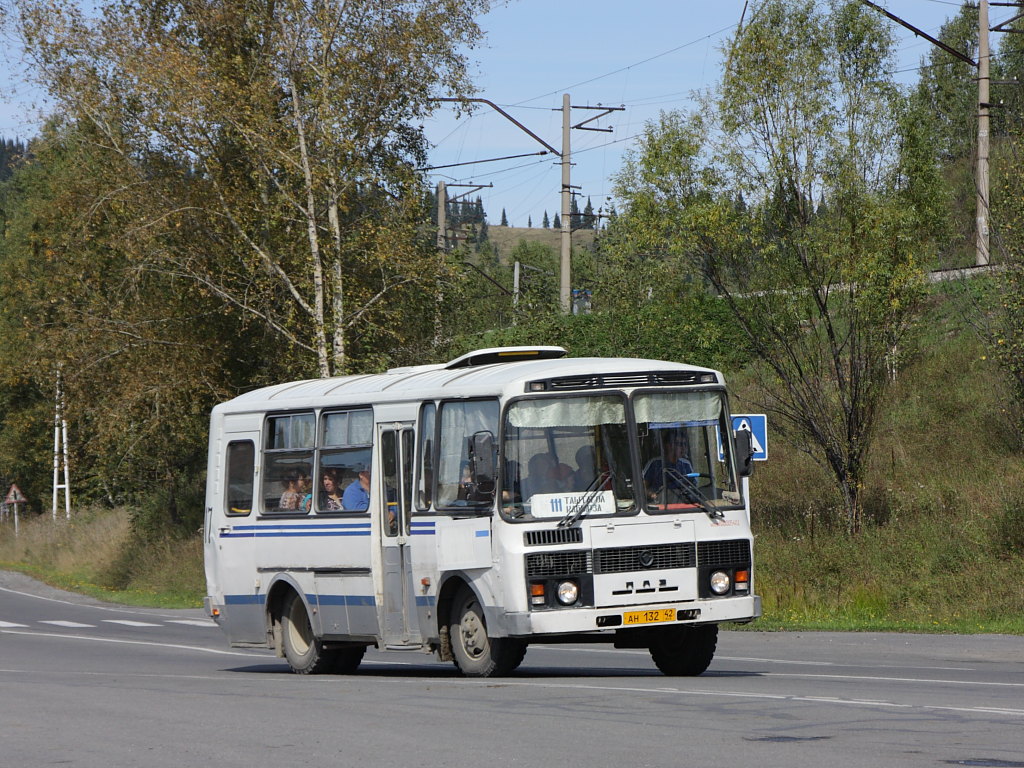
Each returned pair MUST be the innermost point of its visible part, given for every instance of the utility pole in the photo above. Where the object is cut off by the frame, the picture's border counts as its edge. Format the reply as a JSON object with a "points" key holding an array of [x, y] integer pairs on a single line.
{"points": [[442, 208], [981, 175], [60, 438], [981, 254], [565, 262]]}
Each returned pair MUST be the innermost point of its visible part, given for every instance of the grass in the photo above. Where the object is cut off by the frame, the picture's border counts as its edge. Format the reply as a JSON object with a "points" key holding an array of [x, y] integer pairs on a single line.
{"points": [[96, 553]]}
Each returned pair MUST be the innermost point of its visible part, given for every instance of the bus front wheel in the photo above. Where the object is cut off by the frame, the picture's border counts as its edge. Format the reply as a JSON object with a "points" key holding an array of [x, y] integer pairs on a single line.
{"points": [[682, 651], [476, 654], [303, 650]]}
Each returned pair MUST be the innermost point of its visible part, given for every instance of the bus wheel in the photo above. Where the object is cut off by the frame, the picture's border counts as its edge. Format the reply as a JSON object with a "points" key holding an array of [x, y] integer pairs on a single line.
{"points": [[304, 652], [476, 654], [685, 651]]}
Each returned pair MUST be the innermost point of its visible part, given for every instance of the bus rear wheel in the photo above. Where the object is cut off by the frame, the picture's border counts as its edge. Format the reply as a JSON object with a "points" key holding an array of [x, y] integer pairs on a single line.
{"points": [[682, 651], [303, 650], [476, 654]]}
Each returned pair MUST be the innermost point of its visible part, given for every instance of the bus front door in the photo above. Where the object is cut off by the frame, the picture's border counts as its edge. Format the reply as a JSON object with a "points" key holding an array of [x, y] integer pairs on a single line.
{"points": [[398, 623]]}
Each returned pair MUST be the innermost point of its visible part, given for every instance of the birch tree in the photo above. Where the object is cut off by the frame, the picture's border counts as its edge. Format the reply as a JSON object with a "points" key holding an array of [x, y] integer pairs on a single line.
{"points": [[267, 149]]}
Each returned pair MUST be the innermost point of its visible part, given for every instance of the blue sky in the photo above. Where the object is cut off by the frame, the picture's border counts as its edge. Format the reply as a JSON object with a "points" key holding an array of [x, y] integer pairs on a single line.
{"points": [[646, 55]]}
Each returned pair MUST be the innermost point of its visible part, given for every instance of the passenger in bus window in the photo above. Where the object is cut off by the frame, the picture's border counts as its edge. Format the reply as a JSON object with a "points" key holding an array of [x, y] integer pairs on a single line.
{"points": [[586, 472], [305, 491], [291, 498], [332, 491], [541, 479], [357, 494]]}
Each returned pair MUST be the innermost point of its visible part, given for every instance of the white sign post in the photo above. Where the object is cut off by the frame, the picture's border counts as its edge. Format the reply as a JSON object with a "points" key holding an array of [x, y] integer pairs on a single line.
{"points": [[15, 498]]}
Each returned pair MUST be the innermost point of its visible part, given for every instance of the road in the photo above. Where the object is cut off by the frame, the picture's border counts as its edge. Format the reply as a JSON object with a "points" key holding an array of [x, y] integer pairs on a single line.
{"points": [[88, 684]]}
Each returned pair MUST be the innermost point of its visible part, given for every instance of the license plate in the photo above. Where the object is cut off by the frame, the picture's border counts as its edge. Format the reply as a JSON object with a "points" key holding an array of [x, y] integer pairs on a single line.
{"points": [[649, 617]]}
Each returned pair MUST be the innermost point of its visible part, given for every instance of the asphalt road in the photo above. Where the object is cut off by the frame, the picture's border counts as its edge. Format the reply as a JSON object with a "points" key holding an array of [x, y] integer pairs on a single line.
{"points": [[84, 683]]}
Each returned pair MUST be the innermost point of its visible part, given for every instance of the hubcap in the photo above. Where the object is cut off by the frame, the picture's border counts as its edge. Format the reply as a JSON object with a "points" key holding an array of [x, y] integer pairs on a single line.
{"points": [[474, 634]]}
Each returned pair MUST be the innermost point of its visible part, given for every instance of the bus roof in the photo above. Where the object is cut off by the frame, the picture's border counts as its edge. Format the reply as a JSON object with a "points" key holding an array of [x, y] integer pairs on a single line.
{"points": [[517, 374]]}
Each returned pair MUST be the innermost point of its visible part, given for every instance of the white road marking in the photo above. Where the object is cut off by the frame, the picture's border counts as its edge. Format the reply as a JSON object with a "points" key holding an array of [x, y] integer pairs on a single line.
{"points": [[216, 651], [11, 625], [129, 623], [69, 624], [193, 622]]}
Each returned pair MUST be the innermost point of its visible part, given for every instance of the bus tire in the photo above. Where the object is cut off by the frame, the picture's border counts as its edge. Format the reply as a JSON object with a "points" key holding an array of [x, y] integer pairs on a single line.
{"points": [[304, 651], [475, 654], [682, 651]]}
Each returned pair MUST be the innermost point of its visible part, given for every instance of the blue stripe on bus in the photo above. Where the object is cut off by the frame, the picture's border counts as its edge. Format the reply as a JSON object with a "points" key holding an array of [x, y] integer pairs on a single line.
{"points": [[243, 599], [302, 526], [483, 534], [425, 601], [286, 531], [347, 600]]}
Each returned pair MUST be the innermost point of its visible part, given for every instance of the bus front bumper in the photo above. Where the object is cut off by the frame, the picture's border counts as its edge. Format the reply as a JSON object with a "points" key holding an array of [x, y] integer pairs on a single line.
{"points": [[575, 620]]}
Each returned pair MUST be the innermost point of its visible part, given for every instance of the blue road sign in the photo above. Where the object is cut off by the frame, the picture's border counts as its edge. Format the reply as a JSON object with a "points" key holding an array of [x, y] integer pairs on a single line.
{"points": [[757, 425]]}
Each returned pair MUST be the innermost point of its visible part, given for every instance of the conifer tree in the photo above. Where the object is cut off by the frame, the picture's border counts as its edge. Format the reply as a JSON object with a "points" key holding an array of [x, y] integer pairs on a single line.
{"points": [[504, 218], [557, 223], [547, 222], [589, 220]]}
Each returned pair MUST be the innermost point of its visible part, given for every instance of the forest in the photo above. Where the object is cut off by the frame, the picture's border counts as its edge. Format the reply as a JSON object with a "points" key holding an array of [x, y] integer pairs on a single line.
{"points": [[228, 195]]}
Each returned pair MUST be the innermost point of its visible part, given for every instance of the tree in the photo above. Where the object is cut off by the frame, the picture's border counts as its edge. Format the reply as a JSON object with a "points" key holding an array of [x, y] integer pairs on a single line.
{"points": [[546, 222], [804, 195], [557, 223], [529, 221], [575, 218], [282, 137], [588, 220], [504, 218]]}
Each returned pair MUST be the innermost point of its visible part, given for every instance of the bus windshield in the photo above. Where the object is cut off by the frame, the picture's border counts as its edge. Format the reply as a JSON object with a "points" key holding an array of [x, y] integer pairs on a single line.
{"points": [[566, 455], [685, 463]]}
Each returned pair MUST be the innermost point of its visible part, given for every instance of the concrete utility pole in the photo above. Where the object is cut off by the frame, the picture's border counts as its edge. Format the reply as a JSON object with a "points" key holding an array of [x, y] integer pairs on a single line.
{"points": [[981, 176], [442, 225], [566, 268], [981, 255]]}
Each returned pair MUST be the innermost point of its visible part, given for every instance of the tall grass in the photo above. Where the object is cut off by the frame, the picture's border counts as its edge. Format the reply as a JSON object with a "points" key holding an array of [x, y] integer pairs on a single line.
{"points": [[98, 552], [943, 543]]}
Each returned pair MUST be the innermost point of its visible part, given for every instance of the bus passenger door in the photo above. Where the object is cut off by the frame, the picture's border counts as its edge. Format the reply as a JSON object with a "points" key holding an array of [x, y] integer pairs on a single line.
{"points": [[398, 614]]}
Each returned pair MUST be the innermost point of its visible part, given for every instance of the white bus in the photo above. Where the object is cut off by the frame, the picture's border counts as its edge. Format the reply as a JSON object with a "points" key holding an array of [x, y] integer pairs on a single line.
{"points": [[468, 509]]}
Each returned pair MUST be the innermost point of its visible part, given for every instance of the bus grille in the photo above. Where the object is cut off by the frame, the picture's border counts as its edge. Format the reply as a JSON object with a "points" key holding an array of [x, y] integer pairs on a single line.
{"points": [[553, 536], [714, 554], [539, 564], [620, 559]]}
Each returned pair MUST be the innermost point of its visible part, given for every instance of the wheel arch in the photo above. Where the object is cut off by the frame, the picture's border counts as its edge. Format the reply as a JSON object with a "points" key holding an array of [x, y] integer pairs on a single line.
{"points": [[281, 587]]}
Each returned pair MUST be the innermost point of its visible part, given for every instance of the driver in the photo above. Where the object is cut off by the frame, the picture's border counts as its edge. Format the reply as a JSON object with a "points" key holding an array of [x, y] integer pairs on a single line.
{"points": [[673, 471]]}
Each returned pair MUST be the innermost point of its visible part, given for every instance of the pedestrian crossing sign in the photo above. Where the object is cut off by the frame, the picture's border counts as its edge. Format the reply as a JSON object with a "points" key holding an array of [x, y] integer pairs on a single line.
{"points": [[757, 425]]}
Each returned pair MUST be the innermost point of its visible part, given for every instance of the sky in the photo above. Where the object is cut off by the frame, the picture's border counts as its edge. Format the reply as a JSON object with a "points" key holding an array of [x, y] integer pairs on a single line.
{"points": [[644, 55]]}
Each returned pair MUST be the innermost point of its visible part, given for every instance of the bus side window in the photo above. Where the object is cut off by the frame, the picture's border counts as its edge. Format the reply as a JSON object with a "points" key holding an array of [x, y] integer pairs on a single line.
{"points": [[288, 463], [460, 420], [241, 465], [425, 469]]}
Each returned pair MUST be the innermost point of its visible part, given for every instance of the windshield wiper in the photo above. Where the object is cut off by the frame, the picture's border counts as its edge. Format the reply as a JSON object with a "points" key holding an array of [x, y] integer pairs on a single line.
{"points": [[580, 509], [685, 485]]}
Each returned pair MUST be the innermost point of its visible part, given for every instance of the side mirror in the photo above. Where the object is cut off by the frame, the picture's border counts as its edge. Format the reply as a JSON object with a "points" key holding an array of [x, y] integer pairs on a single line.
{"points": [[481, 458], [744, 443]]}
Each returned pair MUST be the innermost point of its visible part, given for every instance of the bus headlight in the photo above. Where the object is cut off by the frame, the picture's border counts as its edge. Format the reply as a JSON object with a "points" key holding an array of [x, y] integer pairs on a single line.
{"points": [[568, 592], [720, 582]]}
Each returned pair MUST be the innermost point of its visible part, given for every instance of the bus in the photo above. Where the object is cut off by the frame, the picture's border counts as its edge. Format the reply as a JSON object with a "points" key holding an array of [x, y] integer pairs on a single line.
{"points": [[469, 509]]}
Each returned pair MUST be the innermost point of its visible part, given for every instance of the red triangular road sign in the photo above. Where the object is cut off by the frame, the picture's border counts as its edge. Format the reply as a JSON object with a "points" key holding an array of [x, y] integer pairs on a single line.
{"points": [[15, 496]]}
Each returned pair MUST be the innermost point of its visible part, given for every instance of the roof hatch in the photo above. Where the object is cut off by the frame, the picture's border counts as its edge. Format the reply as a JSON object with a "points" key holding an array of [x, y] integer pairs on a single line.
{"points": [[505, 355]]}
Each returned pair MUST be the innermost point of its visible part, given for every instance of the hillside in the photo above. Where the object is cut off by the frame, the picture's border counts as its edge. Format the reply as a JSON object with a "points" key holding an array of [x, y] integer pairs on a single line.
{"points": [[505, 239]]}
